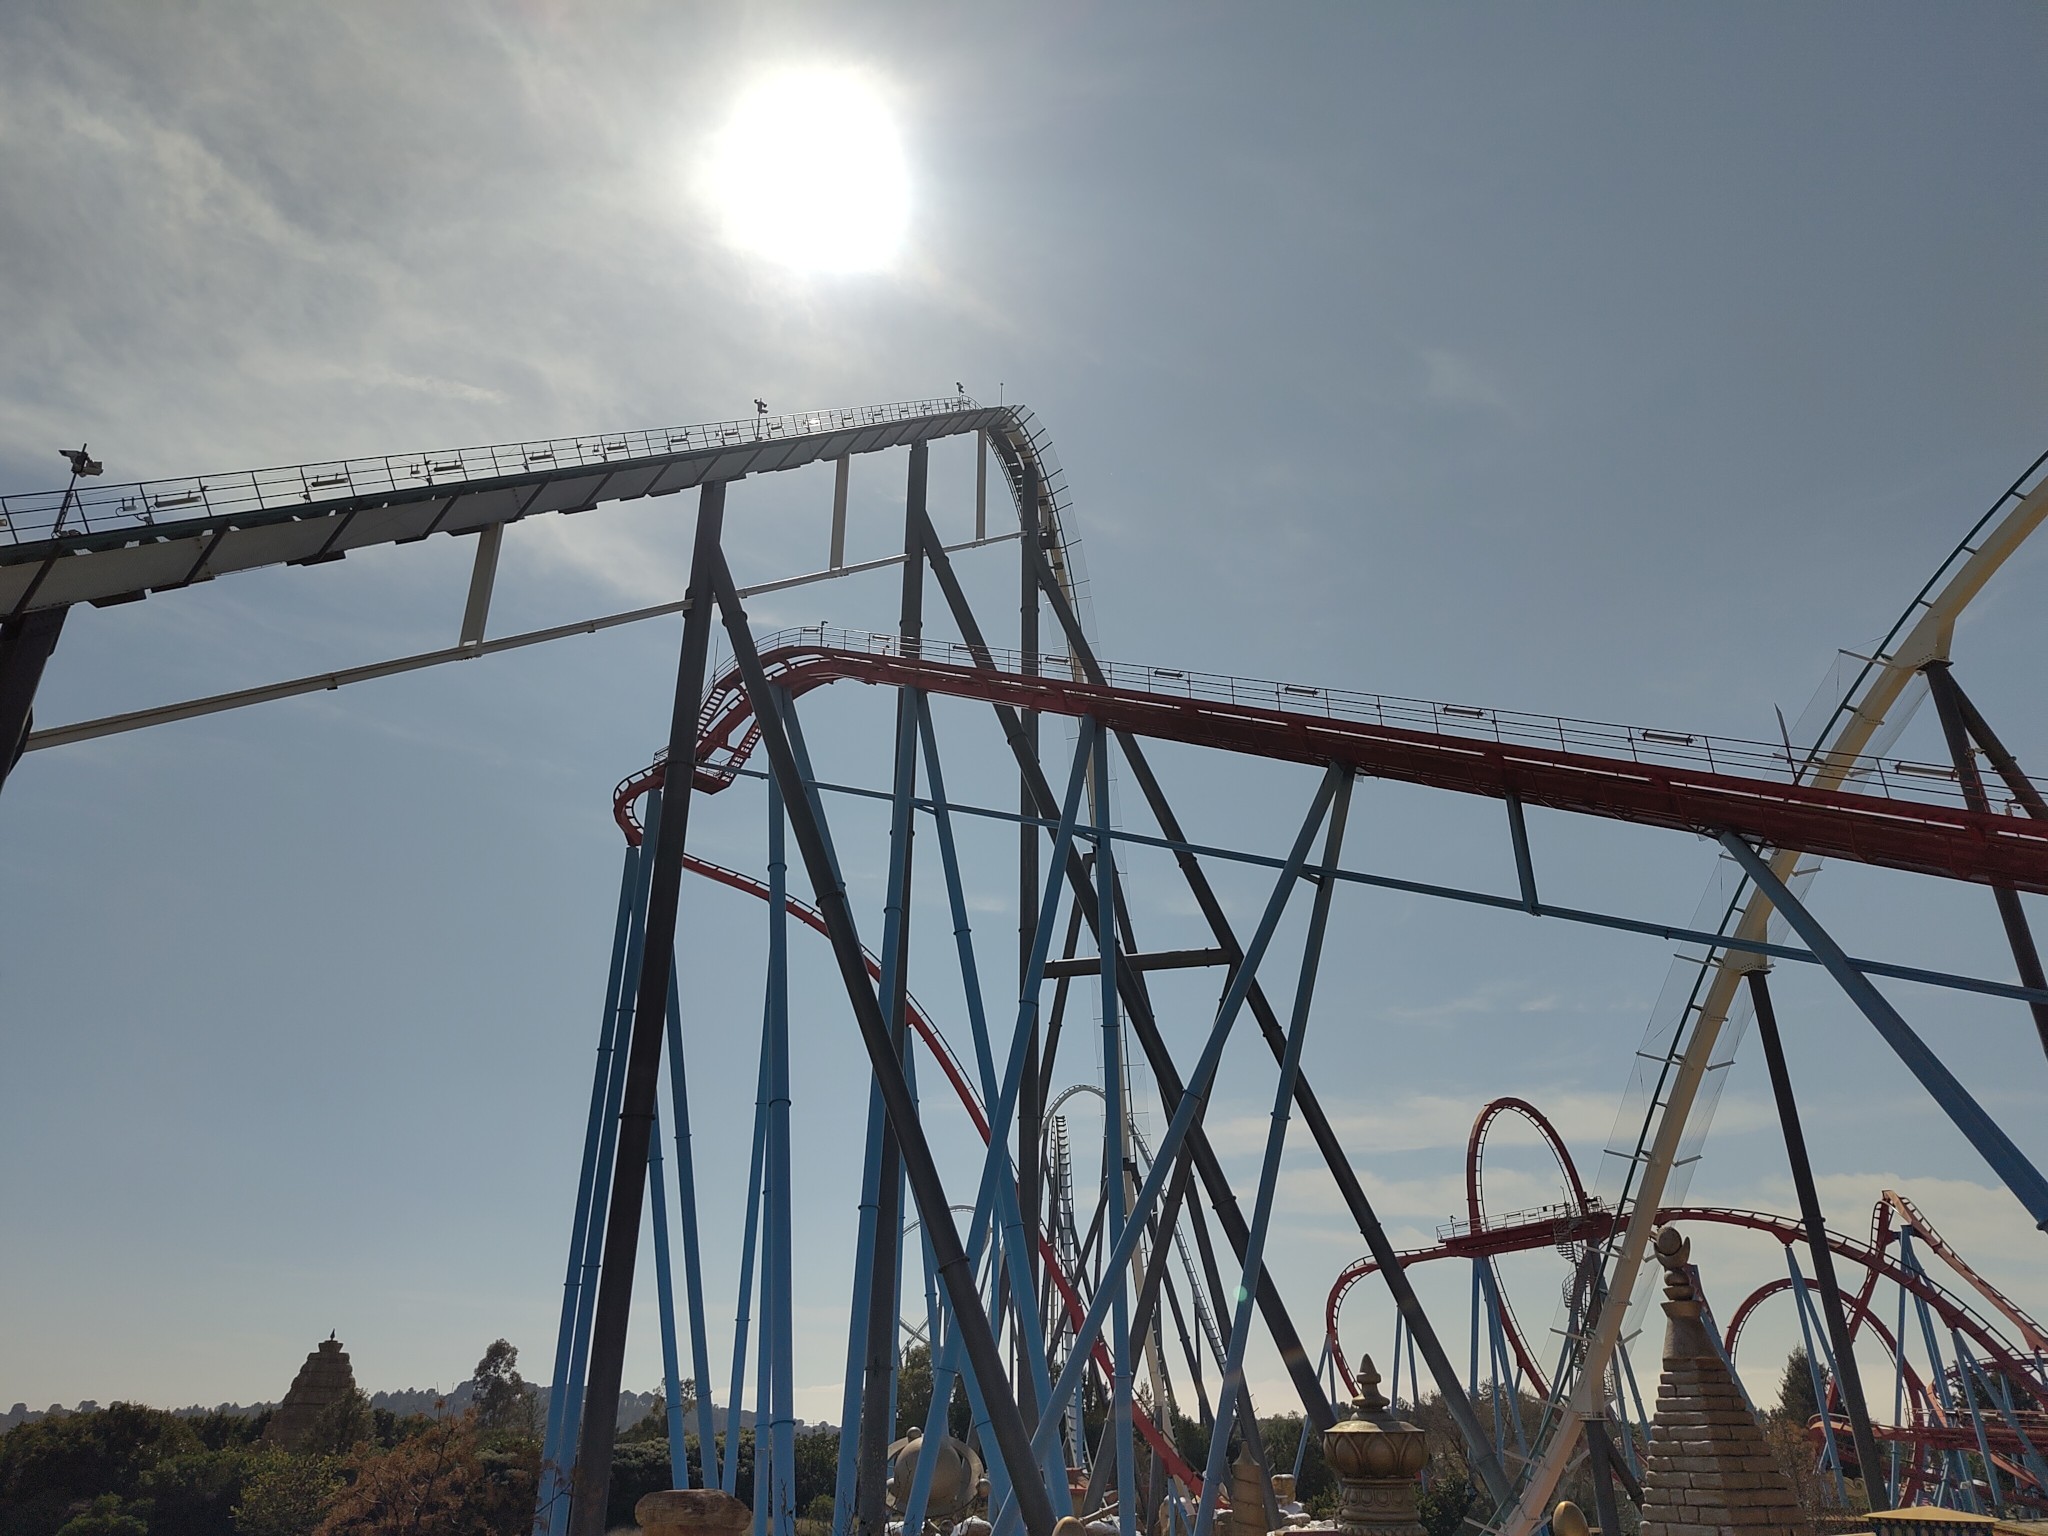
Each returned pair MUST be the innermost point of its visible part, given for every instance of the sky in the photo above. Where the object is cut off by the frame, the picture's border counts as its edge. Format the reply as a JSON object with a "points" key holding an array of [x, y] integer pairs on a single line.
{"points": [[1587, 359]]}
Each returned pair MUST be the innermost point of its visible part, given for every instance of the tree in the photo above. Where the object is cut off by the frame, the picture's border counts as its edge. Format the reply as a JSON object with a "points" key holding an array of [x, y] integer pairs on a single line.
{"points": [[194, 1493], [53, 1468], [107, 1515], [434, 1484], [342, 1425], [286, 1494], [914, 1395], [503, 1401], [1796, 1400]]}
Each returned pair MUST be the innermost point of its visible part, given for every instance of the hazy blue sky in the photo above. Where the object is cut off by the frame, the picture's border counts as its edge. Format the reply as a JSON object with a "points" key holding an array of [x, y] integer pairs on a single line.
{"points": [[1589, 359]]}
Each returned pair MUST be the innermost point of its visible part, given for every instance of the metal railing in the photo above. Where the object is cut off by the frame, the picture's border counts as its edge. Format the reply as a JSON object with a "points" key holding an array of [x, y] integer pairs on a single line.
{"points": [[1562, 1216], [1888, 778], [35, 515]]}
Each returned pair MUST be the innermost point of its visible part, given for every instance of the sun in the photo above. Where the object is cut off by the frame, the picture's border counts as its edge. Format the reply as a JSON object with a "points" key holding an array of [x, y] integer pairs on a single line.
{"points": [[809, 172]]}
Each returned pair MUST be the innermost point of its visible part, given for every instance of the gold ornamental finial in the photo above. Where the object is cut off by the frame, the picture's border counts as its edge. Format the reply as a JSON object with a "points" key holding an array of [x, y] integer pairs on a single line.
{"points": [[1369, 1402]]}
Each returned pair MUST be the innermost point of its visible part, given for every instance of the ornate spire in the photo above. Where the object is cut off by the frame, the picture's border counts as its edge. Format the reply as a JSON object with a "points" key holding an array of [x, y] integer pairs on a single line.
{"points": [[1709, 1472]]}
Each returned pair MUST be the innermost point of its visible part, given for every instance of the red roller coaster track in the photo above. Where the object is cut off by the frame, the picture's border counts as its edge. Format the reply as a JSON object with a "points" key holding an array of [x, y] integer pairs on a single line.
{"points": [[1884, 829]]}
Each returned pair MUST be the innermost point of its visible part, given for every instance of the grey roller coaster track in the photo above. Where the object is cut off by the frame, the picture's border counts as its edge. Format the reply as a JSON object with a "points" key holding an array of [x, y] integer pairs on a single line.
{"points": [[120, 543]]}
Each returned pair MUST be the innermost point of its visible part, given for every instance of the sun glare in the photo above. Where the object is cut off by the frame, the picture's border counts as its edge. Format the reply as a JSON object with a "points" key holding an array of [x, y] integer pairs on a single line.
{"points": [[809, 172]]}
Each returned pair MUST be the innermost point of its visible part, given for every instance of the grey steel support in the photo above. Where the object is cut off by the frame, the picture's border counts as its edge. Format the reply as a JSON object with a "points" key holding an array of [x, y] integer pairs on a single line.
{"points": [[1166, 1077], [2022, 788], [1525, 867], [1950, 704], [1031, 1099], [1013, 1441], [1600, 1457], [840, 470], [1992, 1144], [981, 484], [25, 645], [482, 577], [1848, 1380], [643, 1058], [877, 1428], [1479, 1446]]}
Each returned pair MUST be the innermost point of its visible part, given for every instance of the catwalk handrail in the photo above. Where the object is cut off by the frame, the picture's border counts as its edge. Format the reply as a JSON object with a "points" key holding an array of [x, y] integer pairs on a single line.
{"points": [[33, 516], [1673, 779]]}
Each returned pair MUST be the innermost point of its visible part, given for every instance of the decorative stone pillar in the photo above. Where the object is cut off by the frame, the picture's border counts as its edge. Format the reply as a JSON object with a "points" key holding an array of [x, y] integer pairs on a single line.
{"points": [[1247, 1495], [324, 1380], [1709, 1472], [1377, 1459], [692, 1512]]}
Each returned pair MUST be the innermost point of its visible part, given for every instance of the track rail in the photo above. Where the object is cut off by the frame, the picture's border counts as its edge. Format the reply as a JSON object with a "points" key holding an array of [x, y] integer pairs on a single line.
{"points": [[1888, 830]]}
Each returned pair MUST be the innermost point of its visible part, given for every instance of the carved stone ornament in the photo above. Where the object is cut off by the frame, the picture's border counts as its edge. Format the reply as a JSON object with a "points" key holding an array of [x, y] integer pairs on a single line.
{"points": [[1377, 1459]]}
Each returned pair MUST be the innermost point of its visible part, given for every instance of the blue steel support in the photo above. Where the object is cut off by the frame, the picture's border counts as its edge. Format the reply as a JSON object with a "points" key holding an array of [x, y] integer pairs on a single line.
{"points": [[615, 1089], [778, 1323], [693, 1262], [1996, 1148], [554, 1481], [956, 897], [763, 1453], [1230, 1390], [997, 1192], [1394, 1390], [1507, 1370], [1996, 1385], [1194, 1097], [1976, 1417], [814, 840], [857, 1321], [1892, 1478], [885, 1303], [885, 1298], [1115, 1127], [742, 1319], [1478, 1327], [665, 1304], [1015, 1242], [1956, 1471]]}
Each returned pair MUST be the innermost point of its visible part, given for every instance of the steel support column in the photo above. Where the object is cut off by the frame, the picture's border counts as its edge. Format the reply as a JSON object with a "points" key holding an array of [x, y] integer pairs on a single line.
{"points": [[877, 1418], [1031, 1108], [1192, 1103], [1230, 1392], [1115, 1132], [1165, 1074], [1847, 1377], [1013, 1442], [25, 646], [1992, 1144], [643, 1061], [1484, 1462], [1951, 706], [778, 1320]]}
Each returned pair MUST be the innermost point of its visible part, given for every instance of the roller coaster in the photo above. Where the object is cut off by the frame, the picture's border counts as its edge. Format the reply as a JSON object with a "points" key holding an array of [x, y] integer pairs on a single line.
{"points": [[1985, 1393], [1046, 1301]]}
